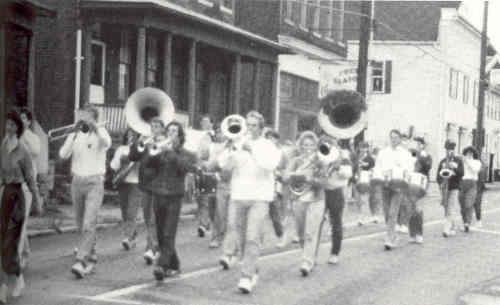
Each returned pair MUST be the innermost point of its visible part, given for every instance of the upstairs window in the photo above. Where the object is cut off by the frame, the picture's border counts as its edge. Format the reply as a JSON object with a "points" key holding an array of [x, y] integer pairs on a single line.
{"points": [[453, 83], [337, 28], [465, 93], [325, 18], [381, 77], [227, 6]]}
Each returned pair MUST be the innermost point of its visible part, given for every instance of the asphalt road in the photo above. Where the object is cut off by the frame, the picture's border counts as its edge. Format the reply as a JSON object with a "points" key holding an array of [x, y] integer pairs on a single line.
{"points": [[439, 272]]}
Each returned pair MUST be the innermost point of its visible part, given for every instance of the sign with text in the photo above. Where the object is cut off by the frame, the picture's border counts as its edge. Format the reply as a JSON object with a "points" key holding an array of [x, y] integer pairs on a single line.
{"points": [[334, 77]]}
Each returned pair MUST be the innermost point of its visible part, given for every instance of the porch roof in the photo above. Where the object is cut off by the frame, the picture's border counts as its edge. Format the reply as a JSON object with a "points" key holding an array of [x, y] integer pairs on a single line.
{"points": [[172, 7], [41, 9]]}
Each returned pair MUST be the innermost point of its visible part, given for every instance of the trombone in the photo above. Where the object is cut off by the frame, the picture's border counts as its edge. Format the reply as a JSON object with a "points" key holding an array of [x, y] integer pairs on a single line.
{"points": [[65, 130]]}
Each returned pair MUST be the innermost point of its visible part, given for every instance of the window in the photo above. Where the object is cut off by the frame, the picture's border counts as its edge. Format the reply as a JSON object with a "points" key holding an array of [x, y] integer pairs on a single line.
{"points": [[296, 11], [288, 10], [124, 66], [337, 32], [98, 63], [303, 14], [206, 2], [381, 76], [152, 64], [299, 92], [453, 83], [465, 94], [325, 18], [313, 15]]}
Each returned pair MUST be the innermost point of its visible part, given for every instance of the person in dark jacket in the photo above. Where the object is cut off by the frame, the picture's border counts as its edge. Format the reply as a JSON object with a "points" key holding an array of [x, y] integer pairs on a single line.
{"points": [[483, 176], [366, 163], [162, 172], [423, 165], [454, 165]]}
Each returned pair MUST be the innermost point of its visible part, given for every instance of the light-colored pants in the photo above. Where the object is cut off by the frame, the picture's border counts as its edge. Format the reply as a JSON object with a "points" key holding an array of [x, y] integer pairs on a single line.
{"points": [[450, 210], [244, 226], [87, 194], [392, 202], [130, 201], [24, 245], [220, 220], [149, 221], [308, 217]]}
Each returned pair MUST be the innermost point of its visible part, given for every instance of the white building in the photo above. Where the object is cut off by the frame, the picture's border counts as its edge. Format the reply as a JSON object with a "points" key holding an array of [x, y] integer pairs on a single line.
{"points": [[424, 81]]}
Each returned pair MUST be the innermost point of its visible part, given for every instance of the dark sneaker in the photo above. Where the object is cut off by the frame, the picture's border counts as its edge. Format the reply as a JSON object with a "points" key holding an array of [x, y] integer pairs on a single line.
{"points": [[159, 273], [201, 231]]}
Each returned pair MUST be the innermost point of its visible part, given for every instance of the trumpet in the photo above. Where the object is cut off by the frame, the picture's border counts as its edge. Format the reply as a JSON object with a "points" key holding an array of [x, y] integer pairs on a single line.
{"points": [[154, 146], [66, 130]]}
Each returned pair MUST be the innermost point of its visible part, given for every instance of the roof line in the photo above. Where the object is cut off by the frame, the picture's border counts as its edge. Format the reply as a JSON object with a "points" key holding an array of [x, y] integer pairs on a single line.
{"points": [[197, 16]]}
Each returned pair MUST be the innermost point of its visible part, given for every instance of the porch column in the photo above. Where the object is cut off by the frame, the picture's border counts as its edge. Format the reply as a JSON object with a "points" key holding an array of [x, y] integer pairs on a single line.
{"points": [[275, 96], [167, 60], [256, 82], [2, 79], [87, 64], [140, 67], [236, 82], [31, 75], [192, 82]]}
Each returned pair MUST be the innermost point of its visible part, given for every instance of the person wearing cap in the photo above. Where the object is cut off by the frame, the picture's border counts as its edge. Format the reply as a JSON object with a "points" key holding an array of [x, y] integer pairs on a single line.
{"points": [[468, 185], [455, 167], [423, 165]]}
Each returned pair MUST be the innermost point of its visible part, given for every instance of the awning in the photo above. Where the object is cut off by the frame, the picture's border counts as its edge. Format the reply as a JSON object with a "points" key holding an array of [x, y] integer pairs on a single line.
{"points": [[40, 9], [171, 7]]}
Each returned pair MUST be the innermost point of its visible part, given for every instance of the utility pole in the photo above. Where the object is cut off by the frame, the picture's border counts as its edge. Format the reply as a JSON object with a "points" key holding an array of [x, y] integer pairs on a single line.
{"points": [[480, 134], [364, 39]]}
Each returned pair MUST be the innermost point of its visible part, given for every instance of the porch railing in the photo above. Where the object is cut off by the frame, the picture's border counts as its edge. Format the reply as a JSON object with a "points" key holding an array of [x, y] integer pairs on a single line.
{"points": [[114, 116]]}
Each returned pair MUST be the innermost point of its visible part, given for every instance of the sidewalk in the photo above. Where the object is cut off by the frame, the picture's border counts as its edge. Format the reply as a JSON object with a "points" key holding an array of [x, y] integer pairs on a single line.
{"points": [[61, 220]]}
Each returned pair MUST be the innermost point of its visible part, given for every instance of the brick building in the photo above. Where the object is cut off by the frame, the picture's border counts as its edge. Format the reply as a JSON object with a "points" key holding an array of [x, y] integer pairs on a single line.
{"points": [[192, 49], [314, 30], [17, 53]]}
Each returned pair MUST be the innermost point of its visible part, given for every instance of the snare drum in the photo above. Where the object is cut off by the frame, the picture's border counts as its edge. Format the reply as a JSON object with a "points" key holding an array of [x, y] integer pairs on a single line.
{"points": [[377, 178], [398, 178], [417, 185], [364, 181]]}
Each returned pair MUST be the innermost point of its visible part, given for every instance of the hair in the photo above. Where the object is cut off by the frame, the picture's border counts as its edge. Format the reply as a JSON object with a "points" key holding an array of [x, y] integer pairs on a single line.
{"points": [[470, 149], [27, 113], [93, 110], [420, 140], [157, 119], [307, 135], [396, 132], [257, 115], [125, 135], [14, 117], [181, 133]]}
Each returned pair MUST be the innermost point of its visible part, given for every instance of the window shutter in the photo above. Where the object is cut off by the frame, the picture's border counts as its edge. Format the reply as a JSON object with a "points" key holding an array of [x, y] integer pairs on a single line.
{"points": [[388, 76]]}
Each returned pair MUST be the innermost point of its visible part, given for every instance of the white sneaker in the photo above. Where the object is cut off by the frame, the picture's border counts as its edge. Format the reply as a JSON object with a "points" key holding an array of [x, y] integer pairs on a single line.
{"points": [[19, 287], [419, 239], [283, 242], [80, 270], [246, 284], [333, 260], [479, 224], [149, 257], [402, 229], [305, 269]]}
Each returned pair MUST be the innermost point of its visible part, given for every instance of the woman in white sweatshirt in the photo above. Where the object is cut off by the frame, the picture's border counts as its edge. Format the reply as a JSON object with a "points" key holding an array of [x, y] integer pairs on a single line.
{"points": [[468, 185]]}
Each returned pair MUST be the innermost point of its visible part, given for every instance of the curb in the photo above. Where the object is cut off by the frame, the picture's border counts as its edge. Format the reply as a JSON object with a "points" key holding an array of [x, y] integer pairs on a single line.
{"points": [[73, 228]]}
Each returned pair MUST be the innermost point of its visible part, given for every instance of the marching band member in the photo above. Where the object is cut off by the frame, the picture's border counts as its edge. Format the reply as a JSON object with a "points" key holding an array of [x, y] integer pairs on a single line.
{"points": [[166, 172], [423, 165], [206, 182], [16, 168], [128, 189], [404, 209], [219, 222], [146, 175], [468, 185], [32, 143], [87, 148], [393, 158], [307, 204], [252, 189], [333, 178], [449, 174], [365, 164]]}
